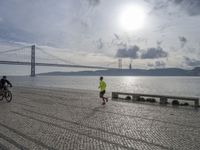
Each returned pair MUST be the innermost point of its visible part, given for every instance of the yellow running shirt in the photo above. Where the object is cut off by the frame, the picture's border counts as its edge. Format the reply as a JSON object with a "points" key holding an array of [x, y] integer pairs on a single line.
{"points": [[102, 85]]}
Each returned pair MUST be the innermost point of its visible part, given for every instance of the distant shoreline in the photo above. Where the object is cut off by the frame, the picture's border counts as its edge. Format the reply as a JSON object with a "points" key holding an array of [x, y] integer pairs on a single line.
{"points": [[129, 72]]}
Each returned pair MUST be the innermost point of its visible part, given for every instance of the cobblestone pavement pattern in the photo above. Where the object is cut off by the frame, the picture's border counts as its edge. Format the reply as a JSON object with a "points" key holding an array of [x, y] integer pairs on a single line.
{"points": [[65, 119]]}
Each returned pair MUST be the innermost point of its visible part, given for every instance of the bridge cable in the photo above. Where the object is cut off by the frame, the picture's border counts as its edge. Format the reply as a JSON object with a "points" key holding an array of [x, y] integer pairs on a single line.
{"points": [[13, 50], [58, 58]]}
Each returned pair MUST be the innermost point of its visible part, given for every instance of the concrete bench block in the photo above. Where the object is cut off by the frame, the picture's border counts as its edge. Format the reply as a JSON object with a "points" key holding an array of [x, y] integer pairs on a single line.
{"points": [[163, 100]]}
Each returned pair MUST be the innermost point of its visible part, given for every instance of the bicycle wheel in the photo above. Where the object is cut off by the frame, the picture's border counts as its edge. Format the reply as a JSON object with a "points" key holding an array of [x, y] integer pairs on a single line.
{"points": [[8, 96], [1, 97]]}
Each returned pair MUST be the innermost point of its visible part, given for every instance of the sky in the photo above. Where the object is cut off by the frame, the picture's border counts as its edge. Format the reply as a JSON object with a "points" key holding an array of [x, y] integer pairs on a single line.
{"points": [[92, 32]]}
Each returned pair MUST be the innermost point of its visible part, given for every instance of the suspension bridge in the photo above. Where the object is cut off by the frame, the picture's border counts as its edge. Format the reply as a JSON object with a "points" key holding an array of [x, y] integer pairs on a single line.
{"points": [[31, 59]]}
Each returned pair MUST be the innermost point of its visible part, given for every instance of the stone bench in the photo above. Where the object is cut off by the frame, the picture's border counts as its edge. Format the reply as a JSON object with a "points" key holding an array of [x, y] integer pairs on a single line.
{"points": [[163, 98]]}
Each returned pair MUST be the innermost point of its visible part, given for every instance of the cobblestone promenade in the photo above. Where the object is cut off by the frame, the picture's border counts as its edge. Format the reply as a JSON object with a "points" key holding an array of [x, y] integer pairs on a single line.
{"points": [[65, 119]]}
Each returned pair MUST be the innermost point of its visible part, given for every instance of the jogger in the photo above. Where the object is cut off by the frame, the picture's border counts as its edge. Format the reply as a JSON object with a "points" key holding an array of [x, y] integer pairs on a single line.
{"points": [[102, 87]]}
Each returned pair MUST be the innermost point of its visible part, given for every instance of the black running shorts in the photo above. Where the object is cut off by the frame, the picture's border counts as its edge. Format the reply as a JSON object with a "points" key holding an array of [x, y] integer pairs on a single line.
{"points": [[101, 94]]}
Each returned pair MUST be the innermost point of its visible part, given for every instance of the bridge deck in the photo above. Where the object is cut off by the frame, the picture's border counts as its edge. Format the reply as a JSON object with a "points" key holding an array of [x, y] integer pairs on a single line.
{"points": [[53, 65]]}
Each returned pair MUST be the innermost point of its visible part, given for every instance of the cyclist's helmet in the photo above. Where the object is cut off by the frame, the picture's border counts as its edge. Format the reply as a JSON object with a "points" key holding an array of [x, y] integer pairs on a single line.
{"points": [[4, 77]]}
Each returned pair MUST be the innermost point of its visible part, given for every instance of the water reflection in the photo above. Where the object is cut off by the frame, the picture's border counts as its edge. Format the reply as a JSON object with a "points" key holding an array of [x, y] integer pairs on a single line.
{"points": [[180, 86]]}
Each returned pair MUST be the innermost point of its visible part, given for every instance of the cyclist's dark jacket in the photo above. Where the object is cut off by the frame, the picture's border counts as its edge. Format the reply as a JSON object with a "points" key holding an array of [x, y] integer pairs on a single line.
{"points": [[3, 82]]}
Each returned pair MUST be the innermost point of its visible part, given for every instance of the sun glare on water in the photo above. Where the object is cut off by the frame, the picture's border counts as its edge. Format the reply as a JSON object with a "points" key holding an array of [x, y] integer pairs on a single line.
{"points": [[132, 17]]}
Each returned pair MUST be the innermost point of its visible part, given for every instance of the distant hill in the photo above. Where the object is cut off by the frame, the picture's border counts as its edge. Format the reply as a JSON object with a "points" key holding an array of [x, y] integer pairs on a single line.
{"points": [[130, 72]]}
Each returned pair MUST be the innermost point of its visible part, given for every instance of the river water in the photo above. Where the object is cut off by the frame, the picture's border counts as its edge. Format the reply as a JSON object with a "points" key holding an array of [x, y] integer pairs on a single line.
{"points": [[179, 86]]}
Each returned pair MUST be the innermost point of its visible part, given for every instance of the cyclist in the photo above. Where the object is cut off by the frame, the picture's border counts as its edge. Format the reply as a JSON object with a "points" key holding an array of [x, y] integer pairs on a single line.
{"points": [[3, 82]]}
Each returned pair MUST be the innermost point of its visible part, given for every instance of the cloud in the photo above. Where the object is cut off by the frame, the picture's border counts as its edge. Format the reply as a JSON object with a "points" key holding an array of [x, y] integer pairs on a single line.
{"points": [[150, 65], [116, 40], [178, 1], [183, 41], [192, 62], [161, 4], [157, 64], [10, 32], [160, 64], [159, 43], [41, 21], [133, 52], [153, 53], [100, 44], [94, 2], [130, 52], [191, 6], [116, 36], [60, 24]]}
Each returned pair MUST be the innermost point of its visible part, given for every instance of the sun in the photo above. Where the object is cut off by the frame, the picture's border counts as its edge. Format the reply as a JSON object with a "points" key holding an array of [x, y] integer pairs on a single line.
{"points": [[132, 17]]}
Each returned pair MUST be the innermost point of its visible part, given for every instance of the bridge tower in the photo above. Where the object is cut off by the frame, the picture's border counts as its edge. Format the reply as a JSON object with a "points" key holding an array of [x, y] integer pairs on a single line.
{"points": [[33, 61], [120, 63]]}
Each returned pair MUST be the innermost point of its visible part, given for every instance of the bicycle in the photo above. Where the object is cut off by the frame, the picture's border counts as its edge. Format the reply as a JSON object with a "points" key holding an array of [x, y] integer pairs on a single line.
{"points": [[6, 93]]}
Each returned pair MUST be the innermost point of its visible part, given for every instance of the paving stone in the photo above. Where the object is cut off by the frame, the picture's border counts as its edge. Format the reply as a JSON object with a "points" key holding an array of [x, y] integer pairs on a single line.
{"points": [[48, 118]]}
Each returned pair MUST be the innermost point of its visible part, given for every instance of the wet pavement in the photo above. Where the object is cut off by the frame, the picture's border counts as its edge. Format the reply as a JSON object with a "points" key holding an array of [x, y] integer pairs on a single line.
{"points": [[64, 119]]}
